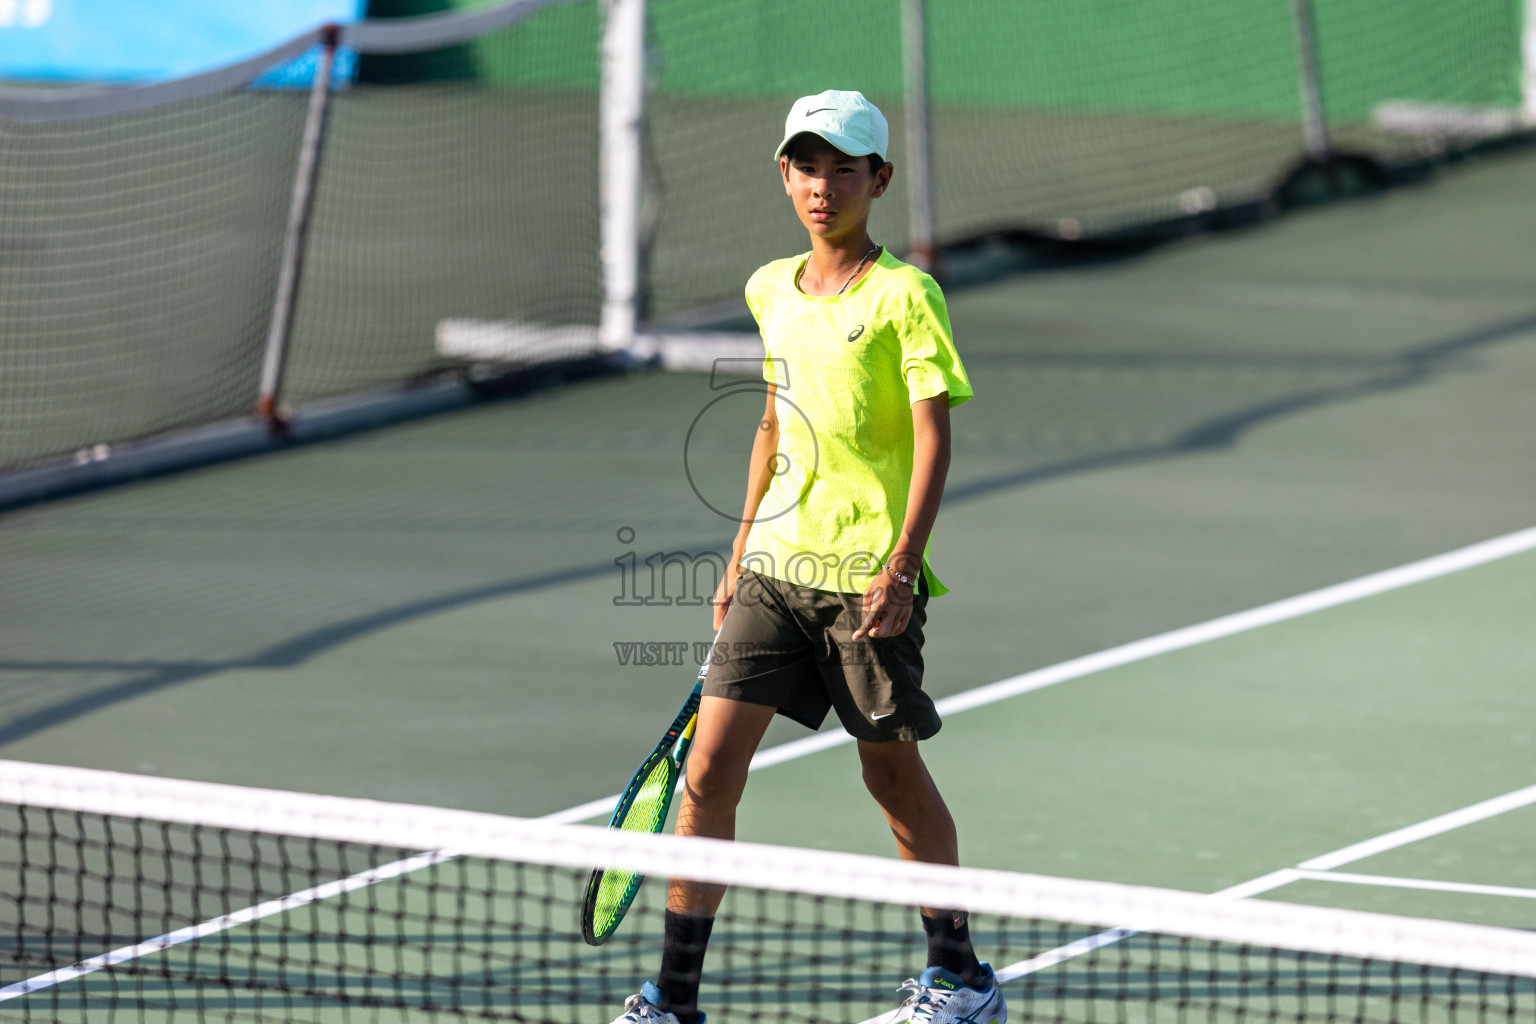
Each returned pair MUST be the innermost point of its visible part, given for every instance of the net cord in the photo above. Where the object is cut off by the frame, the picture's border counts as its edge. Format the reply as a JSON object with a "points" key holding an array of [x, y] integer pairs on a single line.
{"points": [[81, 104], [839, 875], [377, 36], [431, 31]]}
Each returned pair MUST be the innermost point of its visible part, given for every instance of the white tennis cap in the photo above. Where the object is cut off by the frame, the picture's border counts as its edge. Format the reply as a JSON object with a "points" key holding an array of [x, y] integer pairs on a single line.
{"points": [[846, 119]]}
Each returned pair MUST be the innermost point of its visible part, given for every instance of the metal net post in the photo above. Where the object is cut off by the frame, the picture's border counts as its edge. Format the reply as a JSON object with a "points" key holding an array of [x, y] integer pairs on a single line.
{"points": [[919, 170], [302, 204], [1528, 66], [1314, 128], [622, 118]]}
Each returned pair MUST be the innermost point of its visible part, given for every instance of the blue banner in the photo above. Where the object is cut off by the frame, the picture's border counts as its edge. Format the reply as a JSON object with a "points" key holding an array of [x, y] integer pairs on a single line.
{"points": [[151, 40]]}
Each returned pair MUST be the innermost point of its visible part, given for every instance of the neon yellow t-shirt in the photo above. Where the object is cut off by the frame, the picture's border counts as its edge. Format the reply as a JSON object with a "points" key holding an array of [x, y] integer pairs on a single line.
{"points": [[846, 370]]}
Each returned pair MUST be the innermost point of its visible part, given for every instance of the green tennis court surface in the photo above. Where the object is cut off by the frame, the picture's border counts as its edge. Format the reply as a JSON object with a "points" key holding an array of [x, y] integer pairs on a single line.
{"points": [[1204, 768], [427, 613]]}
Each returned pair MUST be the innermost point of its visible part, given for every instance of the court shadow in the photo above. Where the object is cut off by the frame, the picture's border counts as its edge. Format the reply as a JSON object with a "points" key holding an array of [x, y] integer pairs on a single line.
{"points": [[32, 711]]}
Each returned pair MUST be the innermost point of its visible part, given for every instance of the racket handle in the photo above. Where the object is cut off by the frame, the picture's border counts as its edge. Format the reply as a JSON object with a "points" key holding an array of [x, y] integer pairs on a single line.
{"points": [[684, 743]]}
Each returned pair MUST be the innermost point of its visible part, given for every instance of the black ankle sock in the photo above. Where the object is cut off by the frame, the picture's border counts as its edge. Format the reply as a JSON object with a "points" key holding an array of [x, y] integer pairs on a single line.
{"points": [[949, 946], [684, 941]]}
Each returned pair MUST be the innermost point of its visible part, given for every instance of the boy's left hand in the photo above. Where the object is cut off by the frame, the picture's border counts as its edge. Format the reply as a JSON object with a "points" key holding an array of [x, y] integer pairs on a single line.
{"points": [[887, 607]]}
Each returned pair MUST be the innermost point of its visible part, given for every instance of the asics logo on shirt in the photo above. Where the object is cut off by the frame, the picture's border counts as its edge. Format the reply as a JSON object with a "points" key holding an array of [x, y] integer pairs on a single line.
{"points": [[853, 335]]}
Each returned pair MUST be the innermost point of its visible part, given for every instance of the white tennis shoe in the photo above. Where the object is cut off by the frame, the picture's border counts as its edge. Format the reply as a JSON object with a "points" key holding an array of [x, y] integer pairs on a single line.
{"points": [[940, 997], [641, 1008]]}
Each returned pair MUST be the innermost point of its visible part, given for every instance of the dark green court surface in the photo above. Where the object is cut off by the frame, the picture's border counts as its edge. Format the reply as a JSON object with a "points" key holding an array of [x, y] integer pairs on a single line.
{"points": [[428, 613]]}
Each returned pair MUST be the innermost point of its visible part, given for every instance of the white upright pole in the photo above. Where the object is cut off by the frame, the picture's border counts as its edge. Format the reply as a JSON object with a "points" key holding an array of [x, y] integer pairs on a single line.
{"points": [[919, 169], [622, 118], [301, 203], [1314, 127], [1528, 67]]}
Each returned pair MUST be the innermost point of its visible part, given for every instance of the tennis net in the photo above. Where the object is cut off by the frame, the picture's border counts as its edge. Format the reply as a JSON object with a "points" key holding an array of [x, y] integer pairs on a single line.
{"points": [[165, 900], [142, 228], [454, 195]]}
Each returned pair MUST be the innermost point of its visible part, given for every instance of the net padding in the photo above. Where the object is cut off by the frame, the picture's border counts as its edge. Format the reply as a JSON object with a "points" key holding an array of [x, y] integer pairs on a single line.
{"points": [[194, 901]]}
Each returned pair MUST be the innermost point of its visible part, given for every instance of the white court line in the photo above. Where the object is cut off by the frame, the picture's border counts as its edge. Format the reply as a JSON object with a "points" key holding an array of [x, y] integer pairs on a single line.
{"points": [[582, 812], [1285, 876], [1191, 636], [1307, 869], [213, 926], [1150, 647], [1076, 668], [1429, 885], [1423, 830], [282, 904]]}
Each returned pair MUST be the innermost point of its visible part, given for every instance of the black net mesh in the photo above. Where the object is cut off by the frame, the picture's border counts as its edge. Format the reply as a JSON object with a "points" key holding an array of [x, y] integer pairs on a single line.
{"points": [[1067, 119], [209, 924], [459, 182], [1457, 66], [724, 76], [1085, 119], [138, 255], [139, 251]]}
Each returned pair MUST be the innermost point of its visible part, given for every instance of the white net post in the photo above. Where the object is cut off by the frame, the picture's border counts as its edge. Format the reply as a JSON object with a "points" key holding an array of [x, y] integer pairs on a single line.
{"points": [[1314, 128], [919, 169], [299, 209], [1528, 66], [622, 118]]}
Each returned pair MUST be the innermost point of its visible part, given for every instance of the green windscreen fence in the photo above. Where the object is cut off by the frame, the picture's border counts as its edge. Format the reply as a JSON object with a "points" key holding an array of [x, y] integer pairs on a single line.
{"points": [[1066, 117], [459, 179]]}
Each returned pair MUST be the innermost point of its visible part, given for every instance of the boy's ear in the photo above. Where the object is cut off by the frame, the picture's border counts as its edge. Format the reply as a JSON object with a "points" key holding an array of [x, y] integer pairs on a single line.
{"points": [[784, 172], [883, 178]]}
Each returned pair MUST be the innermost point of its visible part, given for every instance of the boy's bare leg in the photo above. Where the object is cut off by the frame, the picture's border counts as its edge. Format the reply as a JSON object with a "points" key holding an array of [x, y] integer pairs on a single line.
{"points": [[724, 741], [899, 781], [924, 830]]}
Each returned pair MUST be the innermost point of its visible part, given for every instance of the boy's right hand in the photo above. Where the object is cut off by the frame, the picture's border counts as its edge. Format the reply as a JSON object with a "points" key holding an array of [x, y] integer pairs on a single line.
{"points": [[724, 594]]}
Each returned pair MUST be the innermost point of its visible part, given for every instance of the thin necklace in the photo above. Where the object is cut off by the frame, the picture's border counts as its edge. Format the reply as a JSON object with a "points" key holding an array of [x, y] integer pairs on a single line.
{"points": [[851, 276], [857, 269]]}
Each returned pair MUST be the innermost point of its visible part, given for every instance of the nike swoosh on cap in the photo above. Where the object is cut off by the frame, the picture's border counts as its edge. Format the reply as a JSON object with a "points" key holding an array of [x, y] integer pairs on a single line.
{"points": [[819, 110]]}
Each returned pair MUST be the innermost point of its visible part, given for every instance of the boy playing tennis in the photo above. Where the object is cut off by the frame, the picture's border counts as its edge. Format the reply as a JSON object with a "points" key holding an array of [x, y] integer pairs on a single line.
{"points": [[847, 471]]}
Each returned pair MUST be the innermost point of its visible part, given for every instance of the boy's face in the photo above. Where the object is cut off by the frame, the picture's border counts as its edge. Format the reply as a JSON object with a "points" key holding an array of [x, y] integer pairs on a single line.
{"points": [[831, 190]]}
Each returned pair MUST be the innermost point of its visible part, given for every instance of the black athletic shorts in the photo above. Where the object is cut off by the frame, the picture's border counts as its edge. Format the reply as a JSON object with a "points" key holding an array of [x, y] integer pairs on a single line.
{"points": [[791, 648]]}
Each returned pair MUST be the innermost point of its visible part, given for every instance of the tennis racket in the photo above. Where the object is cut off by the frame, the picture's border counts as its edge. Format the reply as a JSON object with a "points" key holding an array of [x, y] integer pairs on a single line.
{"points": [[642, 808]]}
